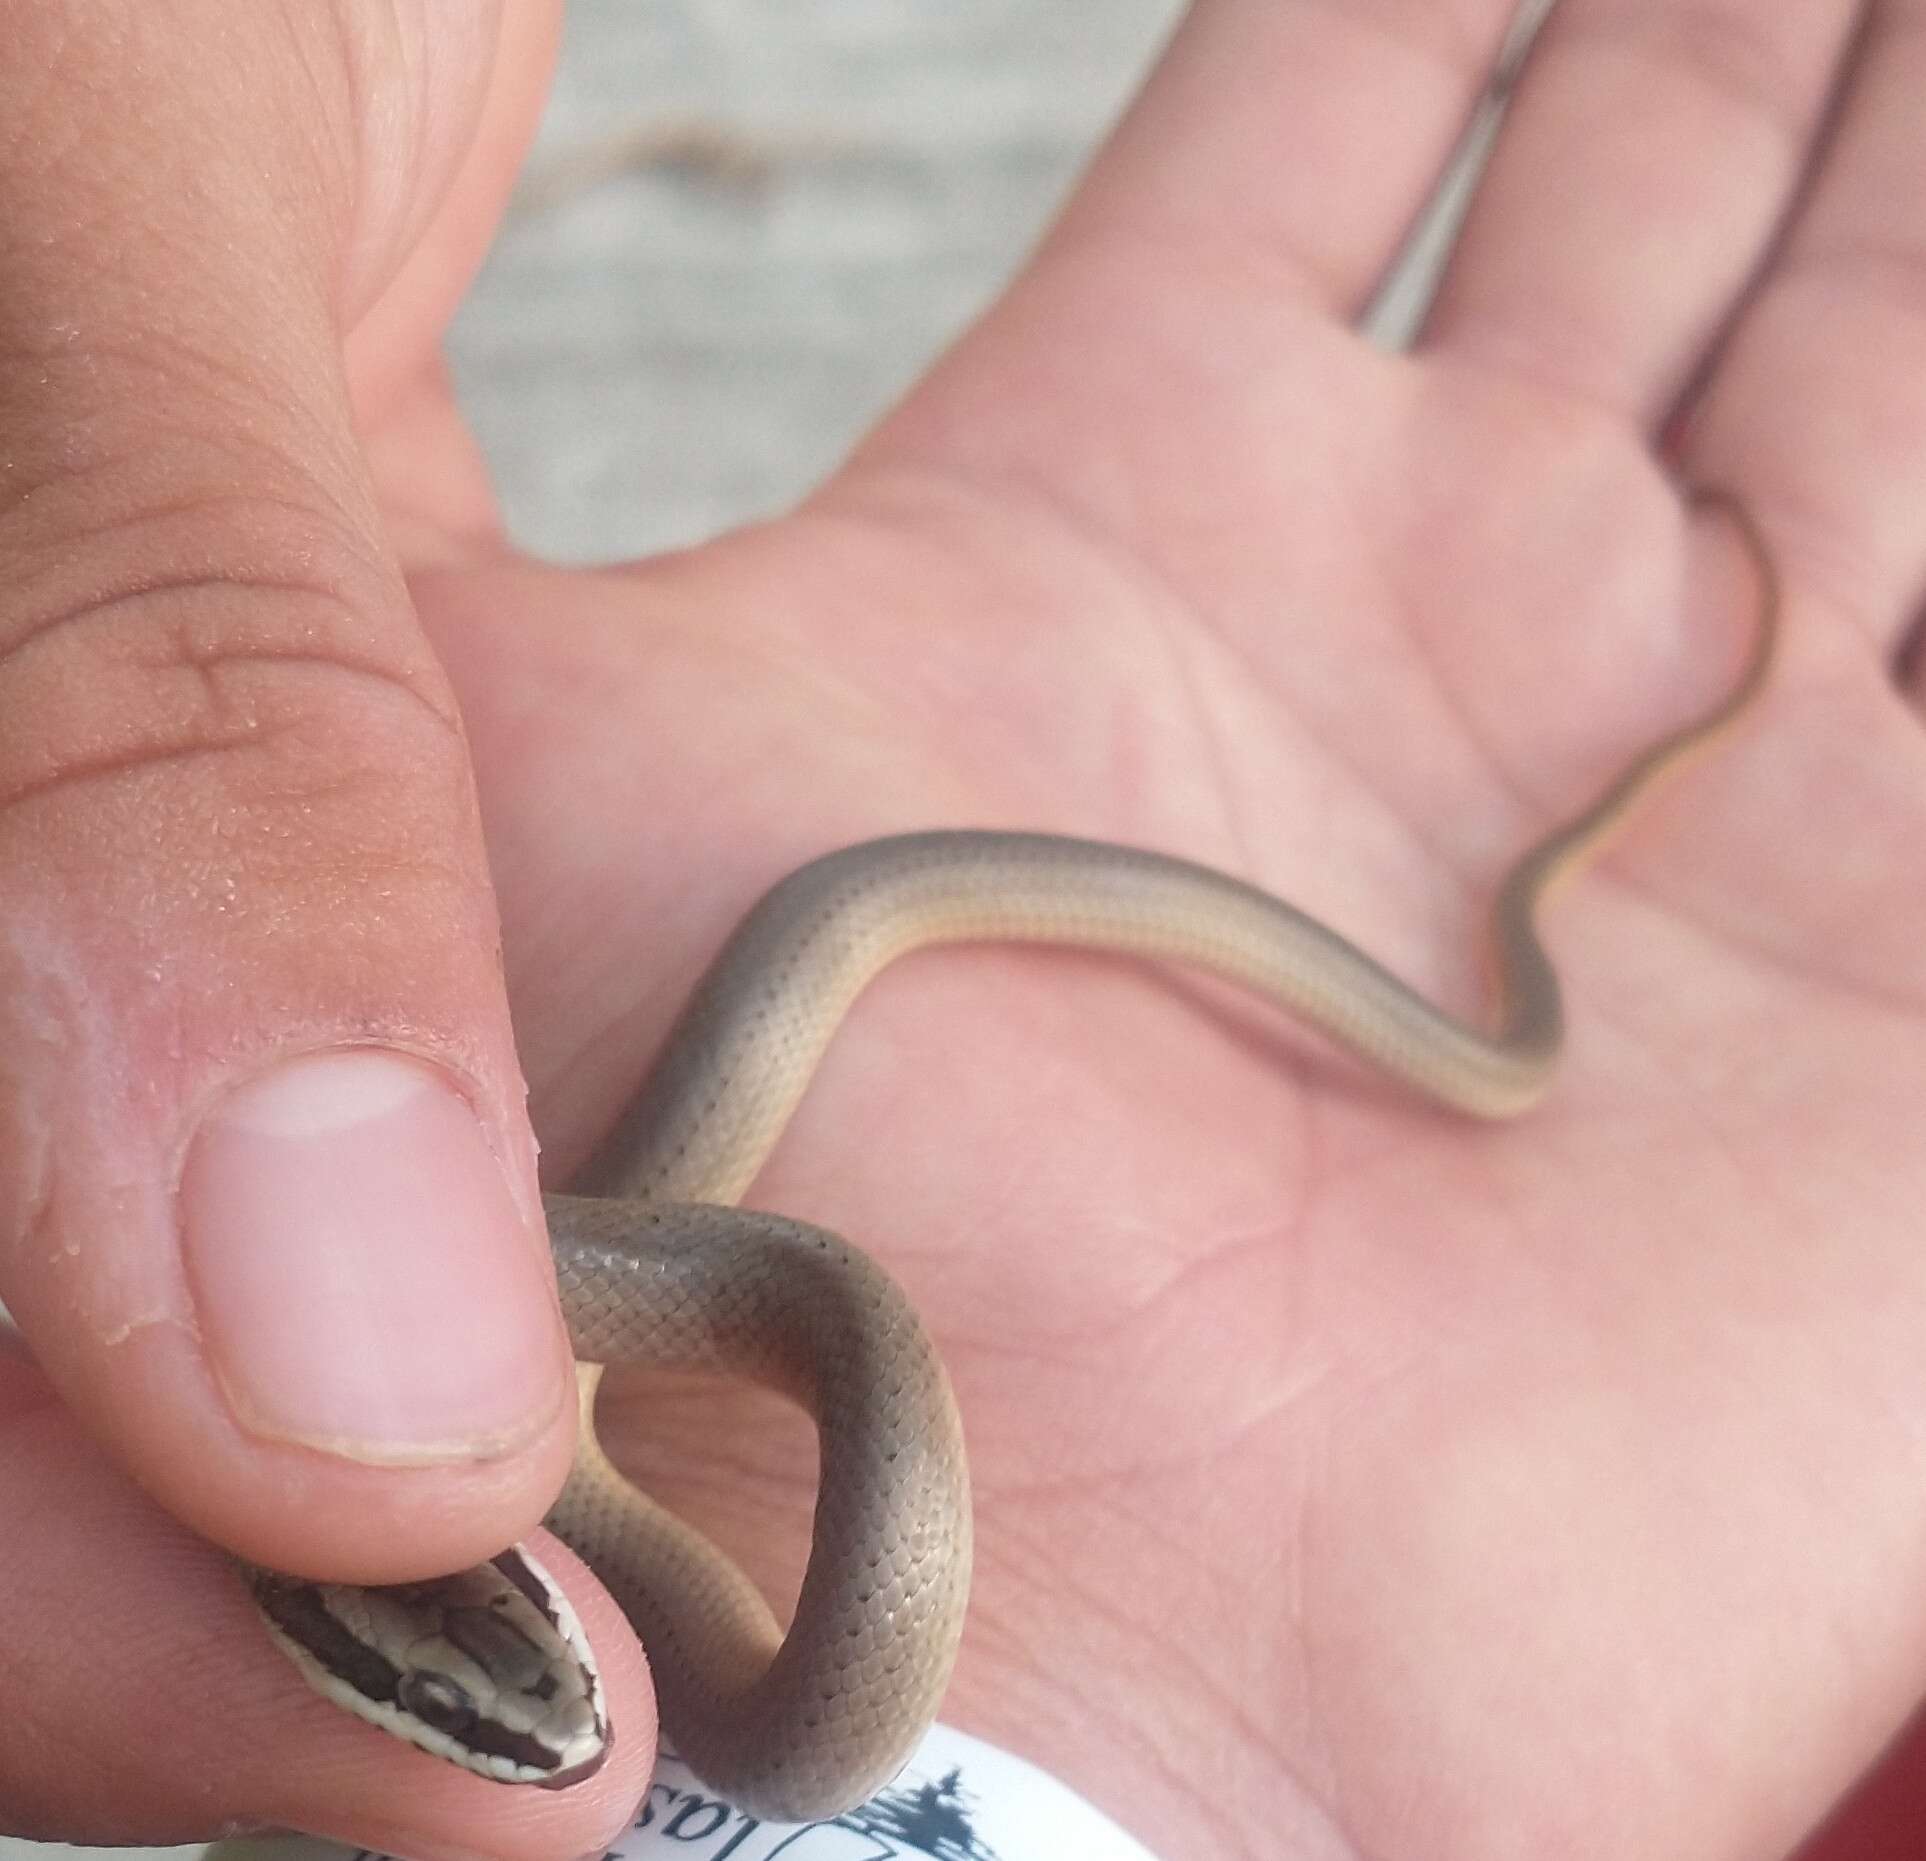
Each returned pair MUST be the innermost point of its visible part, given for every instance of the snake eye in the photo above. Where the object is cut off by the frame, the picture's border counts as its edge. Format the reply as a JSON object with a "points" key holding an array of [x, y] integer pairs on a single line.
{"points": [[438, 1702]]}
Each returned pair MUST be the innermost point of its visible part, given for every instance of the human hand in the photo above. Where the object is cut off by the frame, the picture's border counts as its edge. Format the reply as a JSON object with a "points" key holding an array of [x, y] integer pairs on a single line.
{"points": [[240, 829], [1351, 1480]]}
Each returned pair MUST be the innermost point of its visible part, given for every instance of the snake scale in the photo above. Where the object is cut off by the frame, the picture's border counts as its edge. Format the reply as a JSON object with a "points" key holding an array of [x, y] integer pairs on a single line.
{"points": [[657, 1264]]}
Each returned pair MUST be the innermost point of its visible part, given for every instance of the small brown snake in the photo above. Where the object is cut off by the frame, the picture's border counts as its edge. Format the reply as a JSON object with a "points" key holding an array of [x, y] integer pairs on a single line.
{"points": [[656, 1264]]}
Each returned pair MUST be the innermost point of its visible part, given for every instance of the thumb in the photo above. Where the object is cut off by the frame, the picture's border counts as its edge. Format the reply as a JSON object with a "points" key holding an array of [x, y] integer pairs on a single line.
{"points": [[268, 1211]]}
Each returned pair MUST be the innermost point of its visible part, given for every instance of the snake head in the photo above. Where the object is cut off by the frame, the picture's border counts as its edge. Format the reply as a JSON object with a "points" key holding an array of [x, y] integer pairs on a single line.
{"points": [[488, 1668]]}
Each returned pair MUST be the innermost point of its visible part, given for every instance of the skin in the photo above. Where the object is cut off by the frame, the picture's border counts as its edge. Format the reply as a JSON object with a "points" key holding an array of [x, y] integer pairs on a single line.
{"points": [[1550, 1489]]}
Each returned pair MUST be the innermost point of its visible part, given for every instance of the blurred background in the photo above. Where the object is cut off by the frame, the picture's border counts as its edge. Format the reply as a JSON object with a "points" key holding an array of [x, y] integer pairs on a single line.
{"points": [[747, 227]]}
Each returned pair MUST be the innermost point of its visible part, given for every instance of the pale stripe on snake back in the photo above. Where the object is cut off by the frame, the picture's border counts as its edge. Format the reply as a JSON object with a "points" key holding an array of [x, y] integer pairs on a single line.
{"points": [[654, 1265]]}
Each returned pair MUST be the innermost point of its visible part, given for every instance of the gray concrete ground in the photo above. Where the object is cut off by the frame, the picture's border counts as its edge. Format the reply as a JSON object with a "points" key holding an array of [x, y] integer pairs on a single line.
{"points": [[749, 225]]}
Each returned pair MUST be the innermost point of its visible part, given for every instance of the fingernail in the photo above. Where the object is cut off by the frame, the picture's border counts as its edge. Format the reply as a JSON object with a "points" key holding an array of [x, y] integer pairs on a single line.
{"points": [[364, 1280]]}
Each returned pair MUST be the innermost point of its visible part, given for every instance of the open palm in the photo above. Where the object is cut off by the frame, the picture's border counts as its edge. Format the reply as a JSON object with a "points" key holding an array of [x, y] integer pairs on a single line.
{"points": [[1341, 1463]]}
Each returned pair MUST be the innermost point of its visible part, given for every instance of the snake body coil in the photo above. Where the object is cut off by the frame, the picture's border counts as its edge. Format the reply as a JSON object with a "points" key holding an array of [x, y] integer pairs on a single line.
{"points": [[656, 1265]]}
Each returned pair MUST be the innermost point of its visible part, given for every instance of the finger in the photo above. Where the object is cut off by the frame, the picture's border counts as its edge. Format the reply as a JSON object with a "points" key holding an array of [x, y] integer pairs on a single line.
{"points": [[1881, 1819], [437, 498], [1820, 397], [428, 471], [1186, 307], [1647, 156], [396, 338], [1243, 147], [144, 1702], [270, 1220]]}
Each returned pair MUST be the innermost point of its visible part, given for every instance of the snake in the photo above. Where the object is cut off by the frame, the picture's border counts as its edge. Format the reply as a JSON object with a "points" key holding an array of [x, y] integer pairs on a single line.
{"points": [[657, 1262]]}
